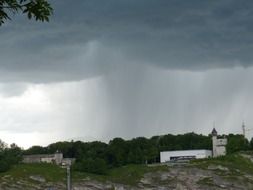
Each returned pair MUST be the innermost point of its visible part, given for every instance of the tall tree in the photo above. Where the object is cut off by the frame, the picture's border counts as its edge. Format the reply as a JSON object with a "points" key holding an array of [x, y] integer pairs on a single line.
{"points": [[237, 143], [38, 9]]}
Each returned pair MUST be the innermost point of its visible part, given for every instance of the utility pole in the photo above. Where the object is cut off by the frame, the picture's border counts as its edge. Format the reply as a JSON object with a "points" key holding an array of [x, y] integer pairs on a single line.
{"points": [[244, 130], [68, 178]]}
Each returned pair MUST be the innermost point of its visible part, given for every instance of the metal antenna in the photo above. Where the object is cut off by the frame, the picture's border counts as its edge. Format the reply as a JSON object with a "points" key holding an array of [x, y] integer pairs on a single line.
{"points": [[243, 129]]}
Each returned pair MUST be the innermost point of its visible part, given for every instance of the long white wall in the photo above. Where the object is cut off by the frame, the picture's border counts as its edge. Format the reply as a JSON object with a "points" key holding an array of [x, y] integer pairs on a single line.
{"points": [[167, 155]]}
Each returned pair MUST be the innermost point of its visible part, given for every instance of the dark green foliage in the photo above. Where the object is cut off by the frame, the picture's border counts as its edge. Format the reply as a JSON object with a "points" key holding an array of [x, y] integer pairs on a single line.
{"points": [[38, 9], [117, 152], [13, 155], [142, 150], [96, 166], [251, 144], [36, 150], [64, 147], [237, 143], [98, 157], [9, 156], [184, 142], [4, 165]]}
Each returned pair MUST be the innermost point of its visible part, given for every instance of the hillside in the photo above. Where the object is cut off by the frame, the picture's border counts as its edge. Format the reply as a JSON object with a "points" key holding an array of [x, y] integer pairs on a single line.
{"points": [[229, 172]]}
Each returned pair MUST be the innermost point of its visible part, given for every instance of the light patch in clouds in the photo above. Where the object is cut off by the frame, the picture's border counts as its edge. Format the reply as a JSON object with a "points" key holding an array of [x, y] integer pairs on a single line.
{"points": [[131, 101], [12, 89], [21, 112], [53, 112], [25, 140]]}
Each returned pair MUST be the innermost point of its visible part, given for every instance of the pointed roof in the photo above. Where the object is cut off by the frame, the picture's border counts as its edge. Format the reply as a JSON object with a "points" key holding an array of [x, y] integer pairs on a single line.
{"points": [[214, 132]]}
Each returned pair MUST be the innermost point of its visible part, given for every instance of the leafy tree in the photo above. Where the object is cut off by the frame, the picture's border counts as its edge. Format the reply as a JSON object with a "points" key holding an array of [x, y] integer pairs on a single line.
{"points": [[38, 9], [117, 152], [96, 166], [4, 166], [184, 142], [97, 157], [9, 156], [3, 145], [13, 155], [142, 150], [36, 150], [251, 144], [236, 143], [64, 147]]}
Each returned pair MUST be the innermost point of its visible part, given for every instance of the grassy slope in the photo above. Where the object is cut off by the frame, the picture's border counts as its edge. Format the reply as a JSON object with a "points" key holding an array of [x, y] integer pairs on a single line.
{"points": [[129, 175], [234, 162], [50, 172]]}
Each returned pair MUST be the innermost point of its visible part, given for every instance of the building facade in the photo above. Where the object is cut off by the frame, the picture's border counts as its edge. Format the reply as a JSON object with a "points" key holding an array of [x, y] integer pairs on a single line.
{"points": [[44, 158], [219, 149], [168, 156], [219, 144]]}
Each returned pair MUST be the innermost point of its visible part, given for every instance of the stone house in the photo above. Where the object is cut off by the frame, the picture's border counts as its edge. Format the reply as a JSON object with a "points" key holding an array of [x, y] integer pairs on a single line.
{"points": [[46, 158]]}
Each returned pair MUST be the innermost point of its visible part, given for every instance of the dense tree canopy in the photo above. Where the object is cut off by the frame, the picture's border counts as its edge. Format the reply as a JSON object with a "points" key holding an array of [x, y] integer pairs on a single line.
{"points": [[37, 9], [237, 143], [97, 157], [9, 156]]}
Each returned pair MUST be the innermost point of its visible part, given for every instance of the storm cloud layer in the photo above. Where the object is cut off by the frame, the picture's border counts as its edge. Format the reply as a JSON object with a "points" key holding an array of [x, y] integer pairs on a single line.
{"points": [[87, 38], [127, 68]]}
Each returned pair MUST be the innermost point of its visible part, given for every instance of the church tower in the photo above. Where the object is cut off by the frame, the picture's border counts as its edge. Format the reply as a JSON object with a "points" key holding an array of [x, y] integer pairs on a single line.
{"points": [[214, 140], [219, 144]]}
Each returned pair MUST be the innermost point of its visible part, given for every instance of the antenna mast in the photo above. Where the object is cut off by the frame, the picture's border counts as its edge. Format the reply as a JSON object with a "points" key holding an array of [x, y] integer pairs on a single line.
{"points": [[243, 129]]}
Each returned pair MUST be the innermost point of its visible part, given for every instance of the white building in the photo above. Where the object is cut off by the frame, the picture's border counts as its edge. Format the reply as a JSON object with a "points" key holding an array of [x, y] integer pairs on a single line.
{"points": [[167, 156], [219, 144], [68, 161], [46, 158]]}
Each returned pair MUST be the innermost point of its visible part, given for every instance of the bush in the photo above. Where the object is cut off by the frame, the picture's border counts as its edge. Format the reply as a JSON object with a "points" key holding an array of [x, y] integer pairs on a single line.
{"points": [[237, 143], [96, 166], [4, 166]]}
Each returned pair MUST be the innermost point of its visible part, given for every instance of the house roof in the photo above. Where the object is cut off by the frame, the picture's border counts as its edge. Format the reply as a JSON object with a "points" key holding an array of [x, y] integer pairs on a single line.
{"points": [[214, 132]]}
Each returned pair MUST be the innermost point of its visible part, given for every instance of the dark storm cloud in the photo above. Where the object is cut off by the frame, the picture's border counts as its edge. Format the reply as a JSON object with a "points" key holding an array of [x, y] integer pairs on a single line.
{"points": [[173, 34], [87, 38]]}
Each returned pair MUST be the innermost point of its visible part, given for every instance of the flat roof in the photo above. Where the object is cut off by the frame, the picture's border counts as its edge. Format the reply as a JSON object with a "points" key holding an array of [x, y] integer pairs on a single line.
{"points": [[194, 150]]}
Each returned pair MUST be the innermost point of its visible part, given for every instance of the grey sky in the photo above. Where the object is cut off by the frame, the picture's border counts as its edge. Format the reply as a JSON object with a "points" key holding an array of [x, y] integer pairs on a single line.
{"points": [[102, 69]]}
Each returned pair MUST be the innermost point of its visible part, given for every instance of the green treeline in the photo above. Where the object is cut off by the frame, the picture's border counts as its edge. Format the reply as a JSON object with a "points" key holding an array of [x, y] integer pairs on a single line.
{"points": [[97, 157], [9, 156]]}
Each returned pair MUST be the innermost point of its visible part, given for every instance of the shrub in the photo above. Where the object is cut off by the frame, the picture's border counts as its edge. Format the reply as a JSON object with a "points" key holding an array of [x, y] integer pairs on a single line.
{"points": [[4, 166], [96, 166]]}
